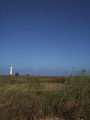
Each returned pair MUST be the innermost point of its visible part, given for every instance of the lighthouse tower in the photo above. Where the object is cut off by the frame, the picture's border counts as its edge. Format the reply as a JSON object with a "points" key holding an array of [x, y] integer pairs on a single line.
{"points": [[10, 69]]}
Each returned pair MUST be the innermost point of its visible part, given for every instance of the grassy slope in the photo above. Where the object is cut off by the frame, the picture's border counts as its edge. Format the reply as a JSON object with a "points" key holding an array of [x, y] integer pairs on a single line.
{"points": [[30, 97]]}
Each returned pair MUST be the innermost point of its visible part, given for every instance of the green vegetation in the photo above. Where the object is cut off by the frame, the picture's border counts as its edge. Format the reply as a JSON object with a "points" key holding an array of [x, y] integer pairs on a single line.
{"points": [[17, 74], [39, 97]]}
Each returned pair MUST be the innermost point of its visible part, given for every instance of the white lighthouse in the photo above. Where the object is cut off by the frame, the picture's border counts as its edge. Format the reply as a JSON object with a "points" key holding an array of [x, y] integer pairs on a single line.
{"points": [[10, 69]]}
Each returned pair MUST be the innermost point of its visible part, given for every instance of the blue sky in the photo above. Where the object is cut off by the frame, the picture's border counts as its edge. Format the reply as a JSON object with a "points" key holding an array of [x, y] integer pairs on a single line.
{"points": [[44, 37]]}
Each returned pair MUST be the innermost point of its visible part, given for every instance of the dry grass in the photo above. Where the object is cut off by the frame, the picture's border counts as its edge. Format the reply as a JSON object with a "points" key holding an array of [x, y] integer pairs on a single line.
{"points": [[40, 97], [53, 86]]}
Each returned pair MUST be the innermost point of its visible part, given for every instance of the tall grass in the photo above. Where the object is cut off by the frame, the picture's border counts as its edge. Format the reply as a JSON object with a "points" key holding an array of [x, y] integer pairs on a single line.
{"points": [[77, 97], [36, 97]]}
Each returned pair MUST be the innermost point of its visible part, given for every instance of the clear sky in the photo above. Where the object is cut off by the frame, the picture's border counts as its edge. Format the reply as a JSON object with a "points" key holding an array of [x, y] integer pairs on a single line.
{"points": [[44, 37]]}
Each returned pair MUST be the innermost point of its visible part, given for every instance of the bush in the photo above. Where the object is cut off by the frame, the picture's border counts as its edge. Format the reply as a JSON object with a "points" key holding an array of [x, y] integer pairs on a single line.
{"points": [[17, 74], [76, 97]]}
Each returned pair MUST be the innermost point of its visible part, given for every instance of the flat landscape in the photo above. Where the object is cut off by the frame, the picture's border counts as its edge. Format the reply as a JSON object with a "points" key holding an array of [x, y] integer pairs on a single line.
{"points": [[44, 97]]}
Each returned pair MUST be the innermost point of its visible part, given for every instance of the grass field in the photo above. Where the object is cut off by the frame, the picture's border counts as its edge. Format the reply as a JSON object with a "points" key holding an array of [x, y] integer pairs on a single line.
{"points": [[41, 97]]}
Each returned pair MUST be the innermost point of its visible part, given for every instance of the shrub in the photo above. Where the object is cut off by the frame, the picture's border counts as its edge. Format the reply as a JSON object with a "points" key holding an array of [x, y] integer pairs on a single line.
{"points": [[76, 97], [17, 74]]}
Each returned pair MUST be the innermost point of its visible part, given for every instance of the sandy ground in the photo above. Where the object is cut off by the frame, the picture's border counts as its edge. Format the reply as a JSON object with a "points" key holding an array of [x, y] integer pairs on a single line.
{"points": [[54, 119]]}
